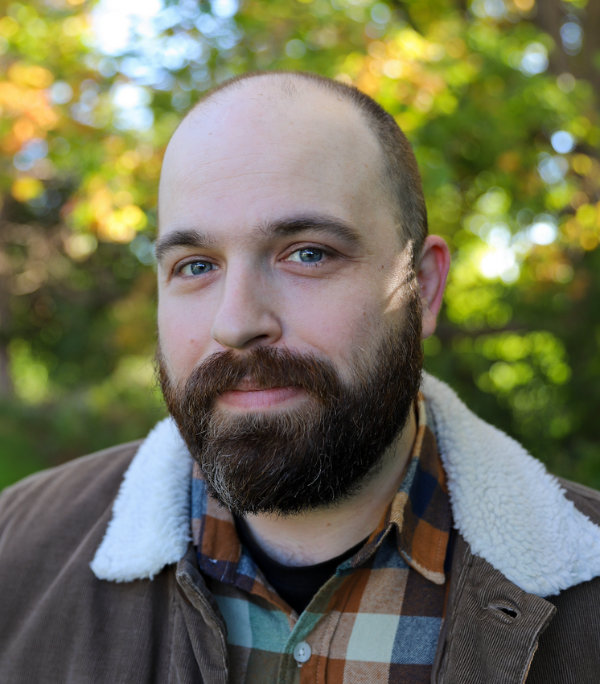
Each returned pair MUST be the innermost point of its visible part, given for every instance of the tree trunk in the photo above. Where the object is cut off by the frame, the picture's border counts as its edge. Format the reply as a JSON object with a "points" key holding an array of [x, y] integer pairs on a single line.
{"points": [[550, 16], [6, 384]]}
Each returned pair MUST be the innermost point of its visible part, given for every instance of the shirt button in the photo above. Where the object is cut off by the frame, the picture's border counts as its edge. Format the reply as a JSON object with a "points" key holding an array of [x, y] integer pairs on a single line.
{"points": [[302, 653]]}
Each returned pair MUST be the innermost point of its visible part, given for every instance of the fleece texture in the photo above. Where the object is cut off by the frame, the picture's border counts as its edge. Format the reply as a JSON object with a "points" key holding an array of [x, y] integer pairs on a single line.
{"points": [[505, 505], [150, 525]]}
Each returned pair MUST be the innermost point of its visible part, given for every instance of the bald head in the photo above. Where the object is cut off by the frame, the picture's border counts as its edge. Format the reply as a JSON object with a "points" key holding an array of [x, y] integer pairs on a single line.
{"points": [[328, 127]]}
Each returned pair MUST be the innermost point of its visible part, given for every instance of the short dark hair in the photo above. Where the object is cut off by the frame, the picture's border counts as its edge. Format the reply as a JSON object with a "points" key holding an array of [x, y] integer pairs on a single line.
{"points": [[401, 173]]}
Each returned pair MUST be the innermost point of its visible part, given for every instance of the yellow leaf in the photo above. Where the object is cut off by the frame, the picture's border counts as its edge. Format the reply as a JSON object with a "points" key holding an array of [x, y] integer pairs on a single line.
{"points": [[8, 27], [582, 164], [26, 189], [586, 215], [35, 76], [524, 5]]}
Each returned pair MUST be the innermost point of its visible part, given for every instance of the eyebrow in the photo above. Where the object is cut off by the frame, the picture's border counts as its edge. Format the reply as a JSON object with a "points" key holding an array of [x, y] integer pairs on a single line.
{"points": [[281, 228], [320, 223], [190, 237]]}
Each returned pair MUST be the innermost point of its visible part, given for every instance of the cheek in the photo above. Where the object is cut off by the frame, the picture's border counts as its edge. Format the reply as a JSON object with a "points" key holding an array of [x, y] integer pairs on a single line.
{"points": [[334, 322], [184, 331]]}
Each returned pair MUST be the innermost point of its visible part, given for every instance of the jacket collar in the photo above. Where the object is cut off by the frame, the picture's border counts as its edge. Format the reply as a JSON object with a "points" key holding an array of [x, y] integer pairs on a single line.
{"points": [[507, 507]]}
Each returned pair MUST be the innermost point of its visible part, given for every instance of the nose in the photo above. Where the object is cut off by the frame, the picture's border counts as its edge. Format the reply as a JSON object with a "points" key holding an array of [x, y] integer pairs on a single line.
{"points": [[245, 316]]}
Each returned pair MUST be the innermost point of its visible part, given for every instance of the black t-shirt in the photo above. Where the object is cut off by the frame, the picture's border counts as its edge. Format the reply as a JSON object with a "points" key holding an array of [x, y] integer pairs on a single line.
{"points": [[295, 585]]}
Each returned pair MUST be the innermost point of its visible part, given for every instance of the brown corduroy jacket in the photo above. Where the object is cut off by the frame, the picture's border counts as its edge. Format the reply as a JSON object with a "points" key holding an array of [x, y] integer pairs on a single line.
{"points": [[61, 624]]}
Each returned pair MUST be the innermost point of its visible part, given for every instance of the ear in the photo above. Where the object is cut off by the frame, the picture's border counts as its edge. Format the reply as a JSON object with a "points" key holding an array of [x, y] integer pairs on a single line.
{"points": [[432, 273]]}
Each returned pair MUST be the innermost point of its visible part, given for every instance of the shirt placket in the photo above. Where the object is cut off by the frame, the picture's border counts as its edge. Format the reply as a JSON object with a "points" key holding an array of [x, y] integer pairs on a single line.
{"points": [[307, 647], [298, 664]]}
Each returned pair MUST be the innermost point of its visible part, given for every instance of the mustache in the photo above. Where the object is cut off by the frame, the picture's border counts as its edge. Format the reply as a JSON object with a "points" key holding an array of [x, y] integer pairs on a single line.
{"points": [[264, 367]]}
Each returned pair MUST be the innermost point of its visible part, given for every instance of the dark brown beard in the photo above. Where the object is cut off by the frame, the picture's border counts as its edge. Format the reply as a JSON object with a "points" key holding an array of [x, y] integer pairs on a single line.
{"points": [[311, 456]]}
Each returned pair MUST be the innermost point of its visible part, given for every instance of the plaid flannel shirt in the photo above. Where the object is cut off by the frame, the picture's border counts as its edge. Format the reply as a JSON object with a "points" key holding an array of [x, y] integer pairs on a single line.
{"points": [[377, 620]]}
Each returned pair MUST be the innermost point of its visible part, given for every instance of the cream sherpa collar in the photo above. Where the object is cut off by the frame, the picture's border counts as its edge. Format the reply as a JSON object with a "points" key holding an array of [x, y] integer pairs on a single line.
{"points": [[506, 506]]}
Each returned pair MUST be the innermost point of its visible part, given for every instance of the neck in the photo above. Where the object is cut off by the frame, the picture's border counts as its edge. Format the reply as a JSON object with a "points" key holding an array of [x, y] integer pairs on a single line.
{"points": [[322, 534]]}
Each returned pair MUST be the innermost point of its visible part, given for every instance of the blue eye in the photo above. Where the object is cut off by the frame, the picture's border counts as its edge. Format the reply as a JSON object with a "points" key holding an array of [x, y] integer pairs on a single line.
{"points": [[195, 268], [308, 255]]}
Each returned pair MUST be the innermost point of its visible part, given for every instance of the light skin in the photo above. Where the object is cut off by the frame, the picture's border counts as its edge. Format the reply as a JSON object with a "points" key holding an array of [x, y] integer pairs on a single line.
{"points": [[275, 230]]}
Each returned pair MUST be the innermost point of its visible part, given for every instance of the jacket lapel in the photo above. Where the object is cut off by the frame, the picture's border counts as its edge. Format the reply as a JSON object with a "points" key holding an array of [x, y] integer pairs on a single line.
{"points": [[492, 626], [505, 504], [200, 631]]}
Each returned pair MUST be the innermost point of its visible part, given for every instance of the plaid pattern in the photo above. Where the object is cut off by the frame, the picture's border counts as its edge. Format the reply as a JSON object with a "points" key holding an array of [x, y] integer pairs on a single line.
{"points": [[377, 620]]}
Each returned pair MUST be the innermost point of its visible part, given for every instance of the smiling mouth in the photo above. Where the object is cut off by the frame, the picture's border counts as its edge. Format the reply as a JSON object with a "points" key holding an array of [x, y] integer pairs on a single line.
{"points": [[248, 396]]}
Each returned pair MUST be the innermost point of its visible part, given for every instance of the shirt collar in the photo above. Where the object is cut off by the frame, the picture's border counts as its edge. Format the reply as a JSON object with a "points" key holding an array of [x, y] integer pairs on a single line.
{"points": [[420, 512]]}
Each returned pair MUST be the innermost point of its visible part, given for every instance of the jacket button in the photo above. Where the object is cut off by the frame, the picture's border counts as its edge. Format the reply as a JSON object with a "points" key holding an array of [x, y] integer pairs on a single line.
{"points": [[302, 653]]}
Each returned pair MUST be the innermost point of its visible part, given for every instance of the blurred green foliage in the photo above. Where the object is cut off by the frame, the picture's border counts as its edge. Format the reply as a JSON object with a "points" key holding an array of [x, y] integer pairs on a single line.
{"points": [[497, 98]]}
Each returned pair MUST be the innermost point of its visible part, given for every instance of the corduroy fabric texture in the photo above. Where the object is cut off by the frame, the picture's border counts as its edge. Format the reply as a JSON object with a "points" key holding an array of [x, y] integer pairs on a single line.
{"points": [[489, 614], [377, 619]]}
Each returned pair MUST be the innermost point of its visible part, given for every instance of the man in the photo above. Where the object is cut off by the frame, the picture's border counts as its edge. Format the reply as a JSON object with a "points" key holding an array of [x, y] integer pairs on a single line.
{"points": [[308, 515]]}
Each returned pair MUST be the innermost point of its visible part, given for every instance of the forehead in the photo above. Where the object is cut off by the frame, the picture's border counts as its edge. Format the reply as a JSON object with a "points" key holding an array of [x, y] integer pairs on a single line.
{"points": [[259, 151]]}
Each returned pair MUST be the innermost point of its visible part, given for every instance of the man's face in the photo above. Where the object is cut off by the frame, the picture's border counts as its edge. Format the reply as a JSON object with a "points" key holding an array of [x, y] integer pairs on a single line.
{"points": [[276, 232]]}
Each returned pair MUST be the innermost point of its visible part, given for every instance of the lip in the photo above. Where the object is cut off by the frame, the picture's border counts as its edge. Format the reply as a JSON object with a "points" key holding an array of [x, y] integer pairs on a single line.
{"points": [[250, 398]]}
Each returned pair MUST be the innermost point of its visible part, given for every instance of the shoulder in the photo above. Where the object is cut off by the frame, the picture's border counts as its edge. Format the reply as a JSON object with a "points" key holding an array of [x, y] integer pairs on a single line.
{"points": [[58, 621], [570, 646], [76, 493], [586, 500]]}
